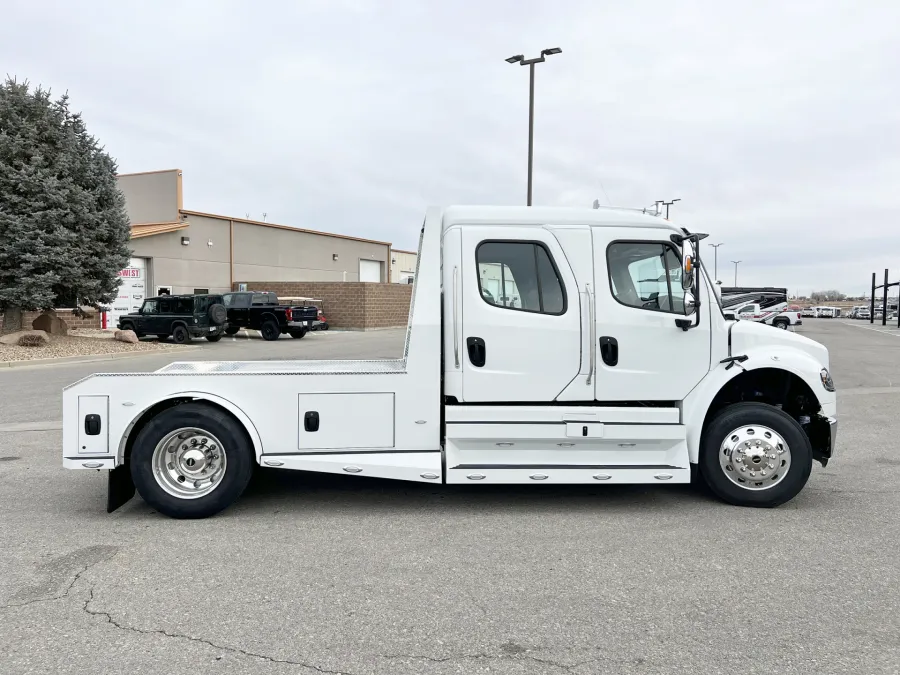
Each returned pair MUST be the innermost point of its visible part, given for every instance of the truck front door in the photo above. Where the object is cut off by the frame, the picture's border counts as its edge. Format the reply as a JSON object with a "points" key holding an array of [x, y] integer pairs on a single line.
{"points": [[521, 315], [642, 354]]}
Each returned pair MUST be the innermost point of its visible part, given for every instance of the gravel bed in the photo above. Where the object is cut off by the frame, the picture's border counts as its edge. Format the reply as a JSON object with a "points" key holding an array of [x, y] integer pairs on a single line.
{"points": [[80, 346]]}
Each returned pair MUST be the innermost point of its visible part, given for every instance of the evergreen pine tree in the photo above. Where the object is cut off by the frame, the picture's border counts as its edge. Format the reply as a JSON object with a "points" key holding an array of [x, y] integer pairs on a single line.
{"points": [[63, 227]]}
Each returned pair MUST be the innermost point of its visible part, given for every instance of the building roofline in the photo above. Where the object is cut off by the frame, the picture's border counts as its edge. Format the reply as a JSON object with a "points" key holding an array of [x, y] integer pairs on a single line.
{"points": [[247, 221], [146, 173], [400, 250], [139, 230]]}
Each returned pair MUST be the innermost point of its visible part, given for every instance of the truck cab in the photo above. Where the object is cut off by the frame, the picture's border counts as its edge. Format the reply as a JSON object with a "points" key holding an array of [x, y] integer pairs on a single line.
{"points": [[544, 346]]}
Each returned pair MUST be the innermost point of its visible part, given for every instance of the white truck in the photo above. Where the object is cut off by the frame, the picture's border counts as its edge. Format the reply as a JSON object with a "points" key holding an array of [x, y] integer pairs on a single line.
{"points": [[614, 364], [764, 305]]}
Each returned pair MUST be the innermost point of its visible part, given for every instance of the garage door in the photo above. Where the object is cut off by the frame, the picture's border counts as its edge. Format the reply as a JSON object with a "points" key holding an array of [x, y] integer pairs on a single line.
{"points": [[370, 270]]}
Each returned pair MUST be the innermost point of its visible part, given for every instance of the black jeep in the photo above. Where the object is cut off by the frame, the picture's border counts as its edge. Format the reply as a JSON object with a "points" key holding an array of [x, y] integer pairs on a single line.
{"points": [[181, 316]]}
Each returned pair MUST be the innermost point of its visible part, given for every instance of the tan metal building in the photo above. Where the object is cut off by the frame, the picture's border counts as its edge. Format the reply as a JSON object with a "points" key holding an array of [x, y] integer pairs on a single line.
{"points": [[183, 251], [403, 265]]}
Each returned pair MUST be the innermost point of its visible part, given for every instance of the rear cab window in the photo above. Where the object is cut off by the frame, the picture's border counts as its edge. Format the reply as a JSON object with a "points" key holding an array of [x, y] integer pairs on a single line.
{"points": [[521, 276]]}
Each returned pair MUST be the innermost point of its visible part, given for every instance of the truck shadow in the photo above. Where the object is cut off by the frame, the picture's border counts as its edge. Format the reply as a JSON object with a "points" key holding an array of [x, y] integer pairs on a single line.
{"points": [[298, 490]]}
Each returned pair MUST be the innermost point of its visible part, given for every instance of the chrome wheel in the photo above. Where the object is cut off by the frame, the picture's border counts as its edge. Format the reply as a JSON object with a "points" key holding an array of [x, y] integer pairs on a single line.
{"points": [[189, 463], [755, 457]]}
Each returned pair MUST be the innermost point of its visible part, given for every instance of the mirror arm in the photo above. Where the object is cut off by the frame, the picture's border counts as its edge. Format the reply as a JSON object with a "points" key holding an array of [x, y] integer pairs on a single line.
{"points": [[687, 324]]}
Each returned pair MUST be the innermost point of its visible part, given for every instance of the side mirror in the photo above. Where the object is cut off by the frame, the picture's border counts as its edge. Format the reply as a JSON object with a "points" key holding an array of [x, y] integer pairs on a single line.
{"points": [[730, 316], [689, 304], [687, 273]]}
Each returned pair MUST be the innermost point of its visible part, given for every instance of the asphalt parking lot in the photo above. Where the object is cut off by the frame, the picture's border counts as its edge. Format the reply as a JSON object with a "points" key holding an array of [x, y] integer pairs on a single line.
{"points": [[313, 574]]}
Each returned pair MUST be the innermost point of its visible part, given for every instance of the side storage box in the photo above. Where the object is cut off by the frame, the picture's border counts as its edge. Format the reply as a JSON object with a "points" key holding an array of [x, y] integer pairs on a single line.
{"points": [[93, 425], [346, 421]]}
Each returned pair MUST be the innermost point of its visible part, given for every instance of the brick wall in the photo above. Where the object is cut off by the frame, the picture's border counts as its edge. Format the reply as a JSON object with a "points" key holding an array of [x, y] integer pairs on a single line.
{"points": [[353, 305], [66, 315]]}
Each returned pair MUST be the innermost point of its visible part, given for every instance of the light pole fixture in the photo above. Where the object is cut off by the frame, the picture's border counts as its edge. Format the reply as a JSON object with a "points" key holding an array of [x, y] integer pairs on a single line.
{"points": [[667, 205], [735, 270], [522, 61], [716, 261]]}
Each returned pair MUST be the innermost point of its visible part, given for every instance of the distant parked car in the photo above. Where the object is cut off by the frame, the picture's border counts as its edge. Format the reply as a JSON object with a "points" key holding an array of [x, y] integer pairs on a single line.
{"points": [[180, 316]]}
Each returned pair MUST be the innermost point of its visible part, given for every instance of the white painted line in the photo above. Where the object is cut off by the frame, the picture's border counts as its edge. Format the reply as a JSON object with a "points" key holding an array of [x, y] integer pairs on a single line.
{"points": [[895, 332]]}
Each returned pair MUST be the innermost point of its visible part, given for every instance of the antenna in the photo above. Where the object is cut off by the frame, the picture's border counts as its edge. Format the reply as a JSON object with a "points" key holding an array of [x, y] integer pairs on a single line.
{"points": [[264, 216]]}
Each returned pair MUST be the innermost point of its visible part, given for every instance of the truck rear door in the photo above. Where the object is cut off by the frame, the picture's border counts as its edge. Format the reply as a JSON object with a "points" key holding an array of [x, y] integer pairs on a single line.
{"points": [[520, 312]]}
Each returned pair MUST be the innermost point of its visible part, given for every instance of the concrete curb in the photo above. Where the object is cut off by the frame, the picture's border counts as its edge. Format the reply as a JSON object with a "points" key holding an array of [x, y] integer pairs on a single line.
{"points": [[91, 359]]}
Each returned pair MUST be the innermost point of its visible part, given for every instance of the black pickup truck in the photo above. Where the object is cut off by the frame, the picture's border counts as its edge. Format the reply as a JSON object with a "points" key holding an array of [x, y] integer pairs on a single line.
{"points": [[260, 310]]}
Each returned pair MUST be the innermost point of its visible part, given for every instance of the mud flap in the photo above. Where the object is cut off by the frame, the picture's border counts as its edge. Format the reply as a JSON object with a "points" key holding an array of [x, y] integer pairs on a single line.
{"points": [[119, 487]]}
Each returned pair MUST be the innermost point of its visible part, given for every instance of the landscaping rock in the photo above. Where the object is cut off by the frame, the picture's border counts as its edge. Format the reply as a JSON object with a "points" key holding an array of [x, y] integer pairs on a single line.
{"points": [[126, 336], [50, 323], [31, 338]]}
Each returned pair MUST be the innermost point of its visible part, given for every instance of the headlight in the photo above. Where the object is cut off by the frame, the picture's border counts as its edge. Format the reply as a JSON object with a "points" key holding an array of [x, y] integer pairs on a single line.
{"points": [[827, 382]]}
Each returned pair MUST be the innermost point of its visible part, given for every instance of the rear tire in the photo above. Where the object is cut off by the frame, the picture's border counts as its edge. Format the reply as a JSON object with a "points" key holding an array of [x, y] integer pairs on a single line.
{"points": [[232, 330], [299, 334], [172, 491], [770, 441], [180, 335], [270, 330], [782, 324]]}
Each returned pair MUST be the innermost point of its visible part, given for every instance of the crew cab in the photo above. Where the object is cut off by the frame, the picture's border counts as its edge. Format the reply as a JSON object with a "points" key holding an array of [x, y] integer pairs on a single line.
{"points": [[538, 352], [180, 317], [261, 311]]}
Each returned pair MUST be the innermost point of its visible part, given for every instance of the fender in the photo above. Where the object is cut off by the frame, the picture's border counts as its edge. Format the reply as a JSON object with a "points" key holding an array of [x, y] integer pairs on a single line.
{"points": [[793, 361], [202, 396]]}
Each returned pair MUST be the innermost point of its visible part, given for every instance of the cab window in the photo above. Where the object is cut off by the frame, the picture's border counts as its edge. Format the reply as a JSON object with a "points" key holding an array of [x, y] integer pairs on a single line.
{"points": [[150, 307], [166, 305], [646, 275], [519, 275]]}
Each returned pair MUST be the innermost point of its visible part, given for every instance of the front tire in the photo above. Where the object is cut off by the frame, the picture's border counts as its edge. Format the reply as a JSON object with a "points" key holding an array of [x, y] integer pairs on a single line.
{"points": [[753, 454], [214, 338], [191, 461]]}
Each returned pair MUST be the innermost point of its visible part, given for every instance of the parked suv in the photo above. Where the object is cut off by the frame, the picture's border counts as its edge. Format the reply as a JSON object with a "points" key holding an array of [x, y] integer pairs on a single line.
{"points": [[180, 316], [260, 310]]}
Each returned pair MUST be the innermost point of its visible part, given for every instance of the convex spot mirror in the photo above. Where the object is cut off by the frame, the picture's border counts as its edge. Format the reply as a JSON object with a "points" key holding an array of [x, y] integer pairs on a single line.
{"points": [[689, 306]]}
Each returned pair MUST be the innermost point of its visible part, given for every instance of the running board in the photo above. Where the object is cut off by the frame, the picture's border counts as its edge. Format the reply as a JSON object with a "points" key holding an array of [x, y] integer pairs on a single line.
{"points": [[415, 466], [563, 474]]}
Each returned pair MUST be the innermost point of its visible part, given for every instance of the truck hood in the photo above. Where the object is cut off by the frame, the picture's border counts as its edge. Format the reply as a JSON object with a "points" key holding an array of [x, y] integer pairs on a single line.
{"points": [[746, 335]]}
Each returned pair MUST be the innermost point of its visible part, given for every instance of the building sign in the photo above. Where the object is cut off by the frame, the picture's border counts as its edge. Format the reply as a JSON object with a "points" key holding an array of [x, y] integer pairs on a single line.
{"points": [[131, 291]]}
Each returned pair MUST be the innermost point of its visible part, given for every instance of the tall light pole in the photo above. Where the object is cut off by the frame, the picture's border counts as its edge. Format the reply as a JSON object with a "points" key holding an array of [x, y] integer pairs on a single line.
{"points": [[522, 61], [735, 269], [716, 261]]}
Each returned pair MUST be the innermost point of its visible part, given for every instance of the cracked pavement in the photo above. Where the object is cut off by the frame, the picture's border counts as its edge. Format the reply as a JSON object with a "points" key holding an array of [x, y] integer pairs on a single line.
{"points": [[329, 574]]}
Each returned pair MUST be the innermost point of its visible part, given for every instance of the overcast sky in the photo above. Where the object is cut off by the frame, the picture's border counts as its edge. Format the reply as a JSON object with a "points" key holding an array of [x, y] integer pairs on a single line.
{"points": [[776, 123]]}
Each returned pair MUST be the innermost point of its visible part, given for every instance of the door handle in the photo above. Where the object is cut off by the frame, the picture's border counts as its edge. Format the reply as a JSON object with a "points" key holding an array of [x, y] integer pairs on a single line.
{"points": [[477, 351], [609, 350]]}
